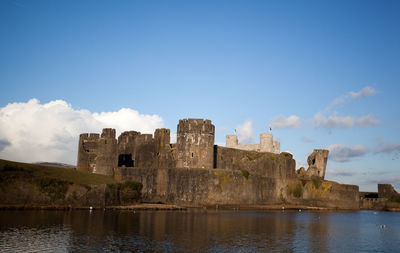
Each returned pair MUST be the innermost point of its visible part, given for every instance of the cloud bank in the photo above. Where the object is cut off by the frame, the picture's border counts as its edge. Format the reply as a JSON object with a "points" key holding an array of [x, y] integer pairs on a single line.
{"points": [[343, 153], [340, 172], [364, 92], [344, 122], [31, 131], [282, 122]]}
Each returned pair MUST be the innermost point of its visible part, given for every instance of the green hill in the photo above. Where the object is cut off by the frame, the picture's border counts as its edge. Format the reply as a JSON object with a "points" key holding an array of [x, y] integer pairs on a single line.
{"points": [[10, 171], [35, 185]]}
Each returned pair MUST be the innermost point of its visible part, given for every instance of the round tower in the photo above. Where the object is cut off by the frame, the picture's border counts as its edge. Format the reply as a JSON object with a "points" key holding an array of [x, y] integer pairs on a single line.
{"points": [[266, 142], [195, 143]]}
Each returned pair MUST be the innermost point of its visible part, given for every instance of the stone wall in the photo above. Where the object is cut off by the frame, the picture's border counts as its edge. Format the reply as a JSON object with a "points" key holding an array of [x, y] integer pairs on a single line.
{"points": [[100, 154], [279, 166], [195, 143], [204, 187], [387, 191]]}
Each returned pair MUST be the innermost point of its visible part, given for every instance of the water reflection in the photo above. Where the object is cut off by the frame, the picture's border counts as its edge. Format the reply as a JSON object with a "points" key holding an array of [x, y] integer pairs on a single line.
{"points": [[197, 231]]}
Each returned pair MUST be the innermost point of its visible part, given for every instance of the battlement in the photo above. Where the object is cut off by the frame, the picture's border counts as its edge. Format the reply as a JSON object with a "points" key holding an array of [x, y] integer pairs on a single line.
{"points": [[162, 136], [144, 138], [195, 126], [108, 133], [91, 136], [129, 133], [127, 136]]}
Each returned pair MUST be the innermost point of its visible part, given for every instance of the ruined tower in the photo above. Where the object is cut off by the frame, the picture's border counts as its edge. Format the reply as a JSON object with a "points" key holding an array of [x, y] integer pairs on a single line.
{"points": [[87, 151], [127, 148], [317, 163], [195, 143], [164, 155], [107, 158]]}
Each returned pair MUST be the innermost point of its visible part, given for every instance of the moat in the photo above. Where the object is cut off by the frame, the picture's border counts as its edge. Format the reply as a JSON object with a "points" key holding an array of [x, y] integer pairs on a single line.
{"points": [[198, 231]]}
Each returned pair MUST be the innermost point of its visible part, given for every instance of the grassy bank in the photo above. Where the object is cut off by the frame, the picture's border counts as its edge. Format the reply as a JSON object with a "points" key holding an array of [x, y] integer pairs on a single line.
{"points": [[10, 171], [25, 185]]}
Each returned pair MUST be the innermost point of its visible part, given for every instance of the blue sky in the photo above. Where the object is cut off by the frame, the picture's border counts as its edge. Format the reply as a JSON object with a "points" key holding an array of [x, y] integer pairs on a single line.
{"points": [[333, 66]]}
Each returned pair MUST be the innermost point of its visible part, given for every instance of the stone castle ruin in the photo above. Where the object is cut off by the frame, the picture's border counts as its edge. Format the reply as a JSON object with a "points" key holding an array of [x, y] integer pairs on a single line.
{"points": [[195, 171], [267, 144]]}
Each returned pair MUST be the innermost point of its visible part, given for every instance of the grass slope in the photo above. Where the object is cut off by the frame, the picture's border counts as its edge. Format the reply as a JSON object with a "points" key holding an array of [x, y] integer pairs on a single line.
{"points": [[13, 170]]}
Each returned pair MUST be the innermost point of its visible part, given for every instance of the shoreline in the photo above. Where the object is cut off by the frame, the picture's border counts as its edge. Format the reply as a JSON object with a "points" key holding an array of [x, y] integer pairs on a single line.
{"points": [[171, 207]]}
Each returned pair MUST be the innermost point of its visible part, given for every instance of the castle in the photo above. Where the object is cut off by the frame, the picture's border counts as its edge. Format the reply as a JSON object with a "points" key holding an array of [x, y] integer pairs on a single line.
{"points": [[195, 171], [194, 148], [267, 144]]}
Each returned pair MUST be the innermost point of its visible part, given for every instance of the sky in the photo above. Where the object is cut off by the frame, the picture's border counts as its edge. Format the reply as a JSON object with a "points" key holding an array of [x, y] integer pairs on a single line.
{"points": [[321, 74]]}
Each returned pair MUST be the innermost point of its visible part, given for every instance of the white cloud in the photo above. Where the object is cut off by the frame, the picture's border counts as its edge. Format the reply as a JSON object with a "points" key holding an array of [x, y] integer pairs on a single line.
{"points": [[343, 153], [344, 122], [283, 122], [245, 132], [340, 172], [50, 132], [366, 91]]}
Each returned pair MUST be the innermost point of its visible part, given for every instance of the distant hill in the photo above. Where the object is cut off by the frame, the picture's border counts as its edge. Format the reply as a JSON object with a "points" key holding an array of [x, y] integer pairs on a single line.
{"points": [[55, 164]]}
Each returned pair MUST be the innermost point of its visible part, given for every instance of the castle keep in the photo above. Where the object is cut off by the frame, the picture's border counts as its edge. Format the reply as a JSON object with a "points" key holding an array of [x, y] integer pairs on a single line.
{"points": [[195, 171]]}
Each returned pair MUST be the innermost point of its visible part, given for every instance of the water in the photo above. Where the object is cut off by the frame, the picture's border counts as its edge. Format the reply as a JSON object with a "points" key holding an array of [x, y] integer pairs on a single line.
{"points": [[198, 231]]}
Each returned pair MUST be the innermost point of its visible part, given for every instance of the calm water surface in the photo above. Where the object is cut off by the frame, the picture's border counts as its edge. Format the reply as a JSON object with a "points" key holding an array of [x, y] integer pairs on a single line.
{"points": [[198, 231]]}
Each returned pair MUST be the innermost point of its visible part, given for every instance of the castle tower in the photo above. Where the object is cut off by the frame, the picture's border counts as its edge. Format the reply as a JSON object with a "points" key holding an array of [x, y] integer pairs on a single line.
{"points": [[195, 143], [107, 153], [266, 142], [162, 138], [127, 148], [231, 141], [87, 152]]}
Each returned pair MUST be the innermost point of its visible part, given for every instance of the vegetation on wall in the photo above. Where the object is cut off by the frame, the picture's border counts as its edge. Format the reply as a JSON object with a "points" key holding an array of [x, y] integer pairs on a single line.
{"points": [[245, 173], [130, 192], [52, 187], [295, 190]]}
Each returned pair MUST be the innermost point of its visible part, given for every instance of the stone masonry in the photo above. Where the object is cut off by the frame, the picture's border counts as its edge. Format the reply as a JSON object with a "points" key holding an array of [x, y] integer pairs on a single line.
{"points": [[195, 171], [267, 144]]}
